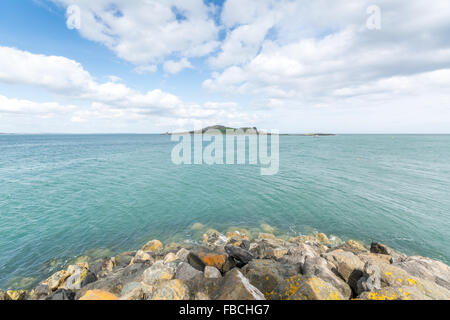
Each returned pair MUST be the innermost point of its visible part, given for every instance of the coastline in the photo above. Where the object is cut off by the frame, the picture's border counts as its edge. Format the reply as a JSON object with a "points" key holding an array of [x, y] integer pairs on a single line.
{"points": [[241, 265]]}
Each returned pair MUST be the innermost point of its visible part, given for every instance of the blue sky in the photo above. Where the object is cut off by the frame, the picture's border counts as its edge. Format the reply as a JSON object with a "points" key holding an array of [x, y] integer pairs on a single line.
{"points": [[289, 65]]}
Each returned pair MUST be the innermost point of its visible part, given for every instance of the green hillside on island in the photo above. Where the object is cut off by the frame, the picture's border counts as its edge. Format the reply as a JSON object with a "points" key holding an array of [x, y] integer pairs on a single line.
{"points": [[245, 130]]}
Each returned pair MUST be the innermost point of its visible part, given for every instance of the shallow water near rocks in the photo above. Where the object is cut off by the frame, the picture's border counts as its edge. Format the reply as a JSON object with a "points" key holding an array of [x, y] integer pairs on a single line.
{"points": [[65, 196]]}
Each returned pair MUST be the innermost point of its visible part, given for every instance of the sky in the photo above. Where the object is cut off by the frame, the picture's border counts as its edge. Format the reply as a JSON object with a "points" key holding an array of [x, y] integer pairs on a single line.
{"points": [[296, 66]]}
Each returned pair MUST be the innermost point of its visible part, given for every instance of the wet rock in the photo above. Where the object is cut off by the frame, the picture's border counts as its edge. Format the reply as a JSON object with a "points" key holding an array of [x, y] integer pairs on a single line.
{"points": [[182, 254], [197, 226], [214, 238], [102, 268], [81, 276], [212, 272], [358, 246], [124, 259], [186, 272], [380, 248], [318, 267], [348, 266], [16, 294], [236, 287], [241, 255], [267, 228], [305, 288], [322, 237], [266, 236], [171, 290], [152, 246], [158, 271], [266, 274], [142, 256], [427, 269], [98, 295], [61, 294]]}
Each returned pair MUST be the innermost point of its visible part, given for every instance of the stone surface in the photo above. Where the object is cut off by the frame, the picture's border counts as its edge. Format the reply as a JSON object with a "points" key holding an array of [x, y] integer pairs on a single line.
{"points": [[214, 238], [212, 272], [4, 296], [182, 254], [186, 272], [301, 287], [152, 246], [57, 279], [61, 294], [376, 247], [170, 257], [195, 261], [394, 293], [322, 237], [158, 271], [98, 295], [239, 254], [348, 266], [171, 290], [16, 294], [237, 287], [371, 279]]}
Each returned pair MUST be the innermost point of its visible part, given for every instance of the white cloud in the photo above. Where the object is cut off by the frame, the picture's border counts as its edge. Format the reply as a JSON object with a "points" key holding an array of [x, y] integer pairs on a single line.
{"points": [[21, 106], [173, 67], [147, 31]]}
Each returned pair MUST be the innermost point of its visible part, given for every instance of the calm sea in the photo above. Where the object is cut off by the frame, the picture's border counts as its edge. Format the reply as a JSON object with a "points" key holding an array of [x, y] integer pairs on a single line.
{"points": [[63, 196]]}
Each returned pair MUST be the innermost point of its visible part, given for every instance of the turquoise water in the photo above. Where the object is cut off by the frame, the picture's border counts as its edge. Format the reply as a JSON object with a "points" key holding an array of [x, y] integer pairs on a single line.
{"points": [[63, 195]]}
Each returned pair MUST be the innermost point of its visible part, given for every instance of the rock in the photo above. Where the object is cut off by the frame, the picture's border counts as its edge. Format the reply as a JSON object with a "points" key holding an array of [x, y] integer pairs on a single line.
{"points": [[61, 294], [212, 272], [195, 261], [16, 294], [171, 290], [79, 279], [318, 267], [297, 255], [380, 248], [267, 228], [102, 268], [182, 254], [356, 245], [322, 237], [371, 279], [266, 274], [129, 287], [152, 246], [40, 292], [98, 295], [186, 272], [197, 226], [305, 288], [4, 296], [239, 254], [237, 236], [237, 287], [348, 266], [158, 271], [124, 259], [170, 257], [136, 291], [427, 269], [214, 238], [57, 279], [394, 293], [135, 294], [142, 256], [213, 259], [266, 236]]}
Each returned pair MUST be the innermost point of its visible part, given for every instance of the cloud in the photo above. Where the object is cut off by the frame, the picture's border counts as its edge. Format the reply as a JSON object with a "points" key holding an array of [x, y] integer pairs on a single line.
{"points": [[21, 106], [146, 32], [173, 67]]}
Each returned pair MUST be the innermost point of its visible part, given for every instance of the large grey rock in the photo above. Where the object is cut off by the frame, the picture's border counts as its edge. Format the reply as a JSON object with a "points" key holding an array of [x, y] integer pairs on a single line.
{"points": [[61, 294], [237, 287], [186, 272], [371, 279], [348, 266], [158, 271], [241, 255], [301, 287], [212, 272]]}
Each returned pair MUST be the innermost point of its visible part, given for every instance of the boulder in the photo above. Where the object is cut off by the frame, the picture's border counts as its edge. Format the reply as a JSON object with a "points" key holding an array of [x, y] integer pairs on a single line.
{"points": [[195, 261], [143, 256], [266, 274], [241, 255], [318, 267], [212, 259], [186, 272], [236, 287], [171, 290], [61, 294], [182, 254], [297, 255], [348, 266], [4, 296], [301, 287], [371, 279], [170, 257], [40, 292], [394, 293], [103, 267], [214, 238], [322, 237], [376, 247], [80, 278], [426, 268], [16, 294], [158, 271], [267, 228], [152, 246], [124, 259], [98, 295], [212, 272], [57, 279]]}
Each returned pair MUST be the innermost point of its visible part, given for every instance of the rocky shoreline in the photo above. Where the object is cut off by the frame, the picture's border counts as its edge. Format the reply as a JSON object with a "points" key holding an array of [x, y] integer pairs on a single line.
{"points": [[239, 265]]}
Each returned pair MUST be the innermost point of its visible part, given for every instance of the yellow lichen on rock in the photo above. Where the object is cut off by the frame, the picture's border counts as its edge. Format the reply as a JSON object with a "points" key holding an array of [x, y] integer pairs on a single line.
{"points": [[98, 295], [153, 246]]}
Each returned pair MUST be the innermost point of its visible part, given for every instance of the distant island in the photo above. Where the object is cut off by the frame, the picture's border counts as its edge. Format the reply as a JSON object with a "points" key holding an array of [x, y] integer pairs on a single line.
{"points": [[247, 130]]}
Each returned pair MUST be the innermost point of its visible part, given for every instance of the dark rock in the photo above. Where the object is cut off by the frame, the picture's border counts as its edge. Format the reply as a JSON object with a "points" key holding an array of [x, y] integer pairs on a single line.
{"points": [[61, 294], [41, 291], [245, 244], [123, 259], [241, 255], [371, 279], [186, 272], [380, 248], [195, 262], [237, 287], [4, 296]]}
